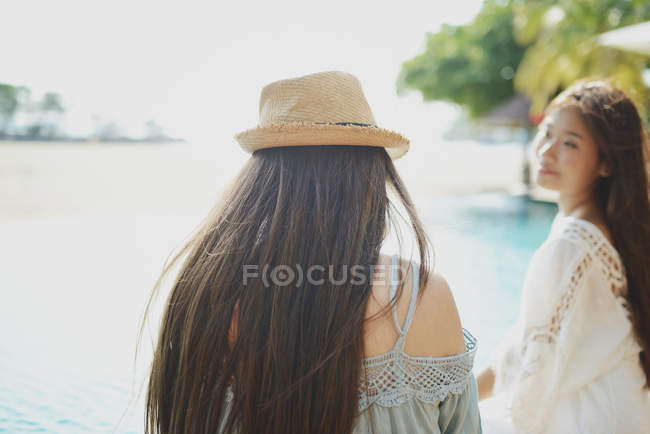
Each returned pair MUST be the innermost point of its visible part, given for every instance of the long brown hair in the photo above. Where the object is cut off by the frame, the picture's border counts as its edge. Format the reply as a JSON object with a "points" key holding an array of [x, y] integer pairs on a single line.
{"points": [[617, 129], [295, 362]]}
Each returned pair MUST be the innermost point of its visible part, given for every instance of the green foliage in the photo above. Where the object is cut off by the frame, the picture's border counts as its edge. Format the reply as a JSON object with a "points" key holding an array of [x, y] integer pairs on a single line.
{"points": [[46, 112], [563, 46], [11, 98], [471, 65], [547, 44], [51, 103]]}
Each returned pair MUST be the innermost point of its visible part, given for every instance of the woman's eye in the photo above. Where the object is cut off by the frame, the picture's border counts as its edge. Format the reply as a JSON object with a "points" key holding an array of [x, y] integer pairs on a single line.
{"points": [[570, 144]]}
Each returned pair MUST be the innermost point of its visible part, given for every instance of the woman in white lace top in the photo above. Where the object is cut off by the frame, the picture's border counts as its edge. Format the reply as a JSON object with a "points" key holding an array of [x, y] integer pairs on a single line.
{"points": [[577, 361]]}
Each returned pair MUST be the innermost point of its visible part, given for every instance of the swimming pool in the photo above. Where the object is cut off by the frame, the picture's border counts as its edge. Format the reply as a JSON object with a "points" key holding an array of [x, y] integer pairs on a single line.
{"points": [[483, 245]]}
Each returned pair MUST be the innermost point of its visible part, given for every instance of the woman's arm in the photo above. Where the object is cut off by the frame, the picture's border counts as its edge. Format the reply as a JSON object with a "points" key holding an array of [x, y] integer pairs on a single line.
{"points": [[485, 382]]}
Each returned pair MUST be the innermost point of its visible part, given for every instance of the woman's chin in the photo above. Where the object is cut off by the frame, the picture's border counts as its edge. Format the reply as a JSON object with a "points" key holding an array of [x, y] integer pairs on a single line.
{"points": [[544, 182]]}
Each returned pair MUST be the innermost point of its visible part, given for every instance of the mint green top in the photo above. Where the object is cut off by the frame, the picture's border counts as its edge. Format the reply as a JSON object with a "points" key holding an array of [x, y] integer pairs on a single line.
{"points": [[406, 394], [403, 394]]}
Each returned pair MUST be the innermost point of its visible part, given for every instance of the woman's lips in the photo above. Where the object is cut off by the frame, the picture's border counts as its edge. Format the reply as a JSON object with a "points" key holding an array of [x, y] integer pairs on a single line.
{"points": [[546, 171]]}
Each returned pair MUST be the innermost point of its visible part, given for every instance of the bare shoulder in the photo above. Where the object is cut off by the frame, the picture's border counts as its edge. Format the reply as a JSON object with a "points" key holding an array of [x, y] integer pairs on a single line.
{"points": [[436, 328]]}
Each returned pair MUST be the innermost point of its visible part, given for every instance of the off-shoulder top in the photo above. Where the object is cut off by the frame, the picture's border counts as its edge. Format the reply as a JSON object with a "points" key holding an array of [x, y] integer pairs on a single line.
{"points": [[404, 394], [408, 394]]}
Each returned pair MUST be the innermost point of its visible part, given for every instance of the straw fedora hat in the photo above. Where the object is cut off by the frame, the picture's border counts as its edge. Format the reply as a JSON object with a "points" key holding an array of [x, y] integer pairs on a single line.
{"points": [[326, 108]]}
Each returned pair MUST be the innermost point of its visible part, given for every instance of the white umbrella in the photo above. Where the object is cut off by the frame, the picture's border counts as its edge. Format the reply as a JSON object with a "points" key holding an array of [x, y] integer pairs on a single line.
{"points": [[631, 38]]}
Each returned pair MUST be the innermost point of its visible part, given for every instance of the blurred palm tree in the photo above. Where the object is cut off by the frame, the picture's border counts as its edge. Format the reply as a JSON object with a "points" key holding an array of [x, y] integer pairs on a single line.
{"points": [[531, 47], [562, 40]]}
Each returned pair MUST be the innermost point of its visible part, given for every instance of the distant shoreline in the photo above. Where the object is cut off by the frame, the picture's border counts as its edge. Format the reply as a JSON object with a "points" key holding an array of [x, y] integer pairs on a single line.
{"points": [[89, 141]]}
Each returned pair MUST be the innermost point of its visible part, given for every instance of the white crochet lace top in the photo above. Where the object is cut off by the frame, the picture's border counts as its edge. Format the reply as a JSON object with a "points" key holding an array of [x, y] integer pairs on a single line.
{"points": [[573, 331], [395, 377]]}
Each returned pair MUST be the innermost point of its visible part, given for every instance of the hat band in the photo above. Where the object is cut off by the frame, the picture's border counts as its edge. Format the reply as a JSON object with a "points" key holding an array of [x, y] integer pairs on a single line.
{"points": [[355, 124]]}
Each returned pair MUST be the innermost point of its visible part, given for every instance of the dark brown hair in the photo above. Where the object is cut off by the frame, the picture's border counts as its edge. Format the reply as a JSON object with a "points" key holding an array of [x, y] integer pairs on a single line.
{"points": [[295, 362], [617, 129]]}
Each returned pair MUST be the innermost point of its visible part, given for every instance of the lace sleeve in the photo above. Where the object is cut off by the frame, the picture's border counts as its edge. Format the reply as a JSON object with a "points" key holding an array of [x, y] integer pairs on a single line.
{"points": [[529, 364]]}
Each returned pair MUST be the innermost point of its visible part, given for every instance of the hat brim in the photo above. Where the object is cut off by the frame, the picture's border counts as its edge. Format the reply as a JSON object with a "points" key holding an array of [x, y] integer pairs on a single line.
{"points": [[306, 134]]}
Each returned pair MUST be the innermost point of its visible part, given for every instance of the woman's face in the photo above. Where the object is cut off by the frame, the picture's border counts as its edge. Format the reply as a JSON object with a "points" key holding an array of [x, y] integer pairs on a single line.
{"points": [[566, 153]]}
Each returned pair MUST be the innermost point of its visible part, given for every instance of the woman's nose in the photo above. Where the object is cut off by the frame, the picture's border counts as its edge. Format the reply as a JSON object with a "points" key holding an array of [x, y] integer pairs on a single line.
{"points": [[546, 148]]}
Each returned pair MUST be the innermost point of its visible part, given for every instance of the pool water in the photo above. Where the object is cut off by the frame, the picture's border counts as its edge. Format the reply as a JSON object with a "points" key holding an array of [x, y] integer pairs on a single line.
{"points": [[483, 244], [69, 326]]}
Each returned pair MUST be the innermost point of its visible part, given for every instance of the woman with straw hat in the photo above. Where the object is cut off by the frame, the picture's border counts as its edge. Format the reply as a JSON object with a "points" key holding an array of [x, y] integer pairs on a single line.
{"points": [[285, 317]]}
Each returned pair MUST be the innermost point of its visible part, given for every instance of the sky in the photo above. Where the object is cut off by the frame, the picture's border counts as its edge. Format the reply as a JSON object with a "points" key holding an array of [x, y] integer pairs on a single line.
{"points": [[197, 68]]}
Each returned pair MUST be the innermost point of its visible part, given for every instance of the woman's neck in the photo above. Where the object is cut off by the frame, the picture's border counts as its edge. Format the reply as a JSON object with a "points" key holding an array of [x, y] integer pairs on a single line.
{"points": [[582, 206], [585, 208]]}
